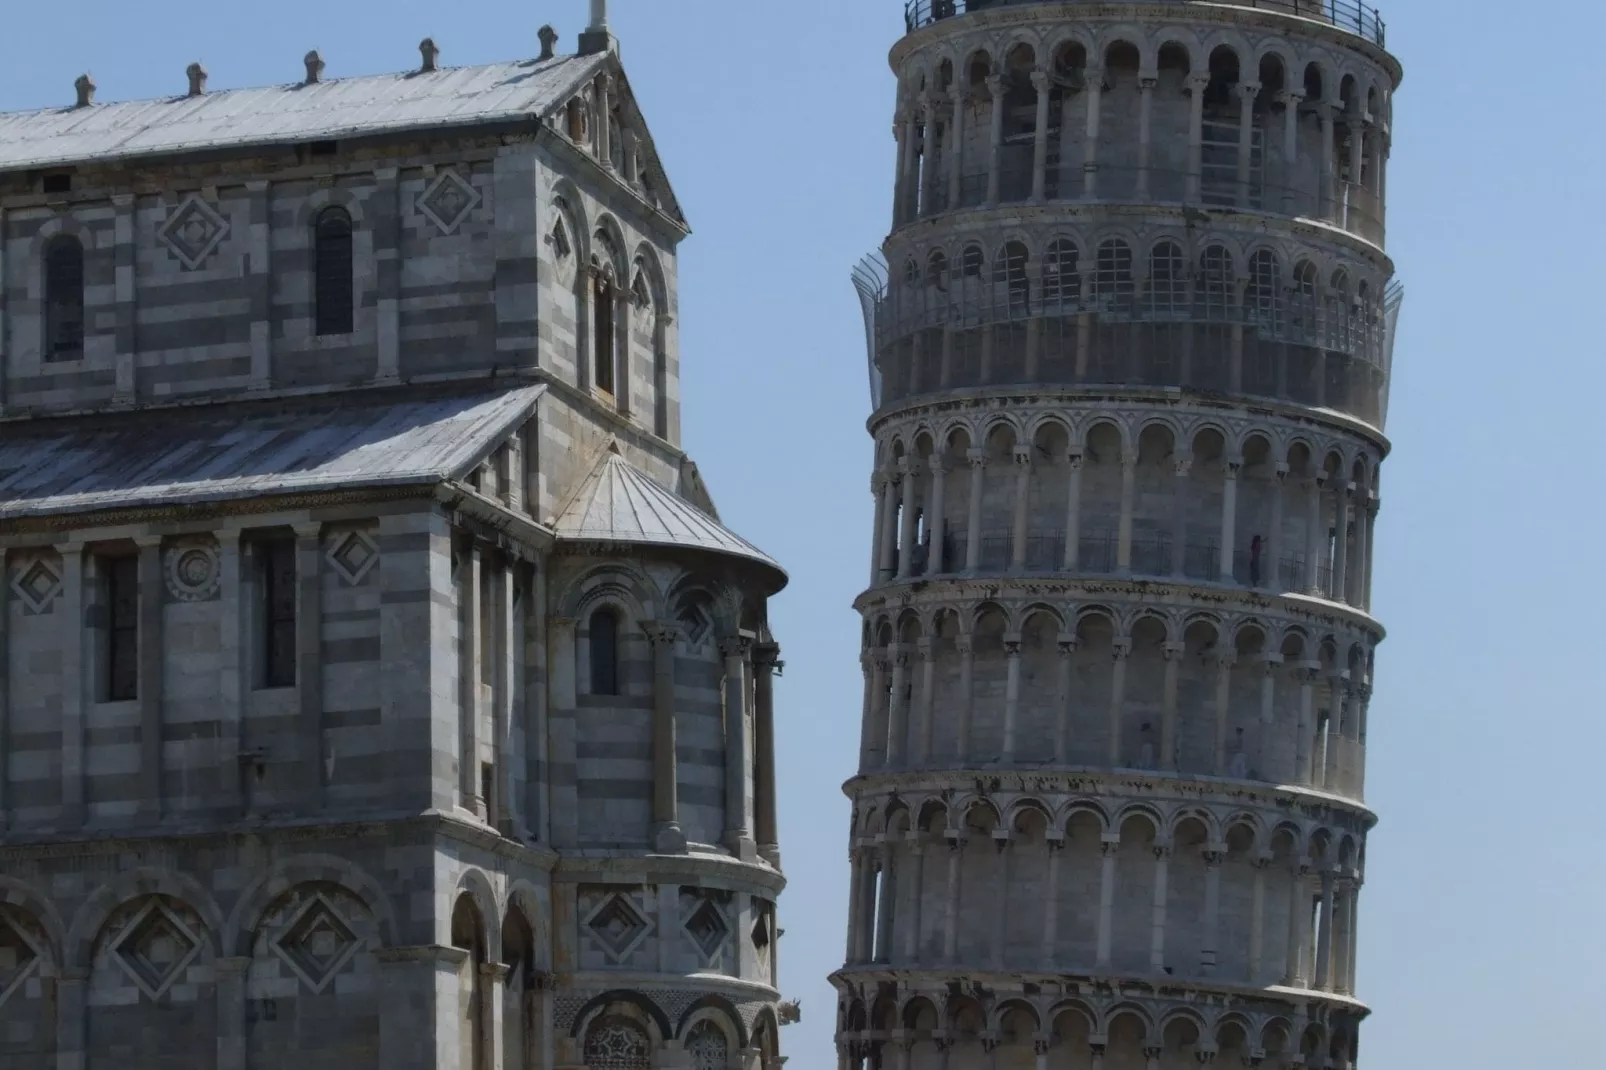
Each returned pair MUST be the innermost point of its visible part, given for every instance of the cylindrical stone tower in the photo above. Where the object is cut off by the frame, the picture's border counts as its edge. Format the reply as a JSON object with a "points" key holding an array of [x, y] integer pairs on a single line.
{"points": [[1130, 345]]}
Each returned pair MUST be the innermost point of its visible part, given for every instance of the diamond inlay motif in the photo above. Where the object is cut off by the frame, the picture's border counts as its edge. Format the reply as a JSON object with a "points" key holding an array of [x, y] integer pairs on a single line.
{"points": [[317, 944], [36, 584], [353, 554], [708, 928], [155, 949], [448, 201], [618, 925], [17, 959], [194, 231]]}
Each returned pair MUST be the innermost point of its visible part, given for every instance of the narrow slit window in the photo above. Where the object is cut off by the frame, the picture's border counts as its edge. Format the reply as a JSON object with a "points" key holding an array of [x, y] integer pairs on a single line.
{"points": [[64, 298], [602, 348], [122, 625], [334, 280], [604, 652], [279, 614]]}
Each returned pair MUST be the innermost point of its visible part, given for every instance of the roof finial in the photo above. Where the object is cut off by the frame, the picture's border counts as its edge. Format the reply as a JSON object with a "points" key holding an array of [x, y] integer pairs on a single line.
{"points": [[430, 53], [597, 38], [197, 76], [314, 64], [86, 90], [549, 42]]}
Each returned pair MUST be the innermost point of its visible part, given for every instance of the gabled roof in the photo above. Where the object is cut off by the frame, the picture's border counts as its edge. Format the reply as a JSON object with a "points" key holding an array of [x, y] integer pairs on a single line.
{"points": [[138, 460], [324, 111], [618, 504]]}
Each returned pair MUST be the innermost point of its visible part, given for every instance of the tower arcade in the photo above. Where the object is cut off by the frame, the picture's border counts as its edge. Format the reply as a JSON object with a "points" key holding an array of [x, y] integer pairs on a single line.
{"points": [[1130, 340]]}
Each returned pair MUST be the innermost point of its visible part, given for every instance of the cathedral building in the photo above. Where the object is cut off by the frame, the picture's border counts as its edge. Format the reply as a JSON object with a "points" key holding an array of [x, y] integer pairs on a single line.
{"points": [[1130, 348], [379, 686]]}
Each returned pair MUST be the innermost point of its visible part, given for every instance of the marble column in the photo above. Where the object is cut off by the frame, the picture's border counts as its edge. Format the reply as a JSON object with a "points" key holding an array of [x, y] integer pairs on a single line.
{"points": [[1073, 512], [1129, 480], [897, 707], [668, 838], [1067, 695], [1122, 648], [912, 924], [888, 898], [978, 470], [924, 722], [1090, 145], [1110, 847], [1174, 653], [1146, 86], [1022, 525], [1012, 655], [1229, 520], [966, 647], [1214, 855], [1157, 919], [936, 527], [1247, 92], [152, 659], [995, 161], [738, 837], [956, 154], [1290, 100], [1196, 85], [1042, 82], [309, 665], [1051, 902], [766, 666]]}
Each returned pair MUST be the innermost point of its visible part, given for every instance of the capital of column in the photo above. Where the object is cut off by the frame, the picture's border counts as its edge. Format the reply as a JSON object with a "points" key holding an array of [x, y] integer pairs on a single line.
{"points": [[1281, 471], [1183, 465], [1234, 465], [1248, 91], [924, 649], [1290, 98], [661, 633], [995, 85], [1012, 645], [1094, 76], [878, 483], [965, 645], [1196, 83], [977, 457], [1041, 80], [735, 646], [1153, 1051], [1147, 81], [1075, 460], [1175, 651], [1307, 672], [1023, 456], [1067, 645], [766, 657]]}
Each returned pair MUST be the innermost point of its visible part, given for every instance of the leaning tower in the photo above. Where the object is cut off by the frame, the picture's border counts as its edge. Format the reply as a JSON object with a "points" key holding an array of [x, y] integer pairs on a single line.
{"points": [[1130, 340]]}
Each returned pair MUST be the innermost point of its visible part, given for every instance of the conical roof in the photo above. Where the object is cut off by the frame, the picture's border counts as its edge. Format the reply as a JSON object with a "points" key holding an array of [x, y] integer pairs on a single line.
{"points": [[618, 504]]}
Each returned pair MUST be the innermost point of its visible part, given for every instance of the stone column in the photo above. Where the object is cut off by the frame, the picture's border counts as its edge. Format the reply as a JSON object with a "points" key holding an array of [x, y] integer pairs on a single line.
{"points": [[1000, 913], [900, 149], [1181, 467], [1229, 519], [493, 983], [887, 533], [309, 663], [1350, 981], [230, 988], [966, 646], [1023, 489], [909, 519], [738, 837], [1363, 701], [1305, 748], [1146, 86], [1257, 921], [878, 491], [855, 894], [867, 663], [928, 153], [956, 154], [152, 593], [1073, 513], [1329, 200], [1042, 82], [72, 985], [1090, 145], [667, 835], [1344, 491], [1110, 847], [1196, 85], [1012, 656], [1336, 758], [1313, 537], [1224, 661], [1268, 712], [766, 660], [1162, 870], [1298, 927], [1123, 546], [1355, 593], [897, 705], [950, 913], [512, 810], [1324, 942], [925, 728], [909, 180], [561, 707], [978, 469], [1247, 92], [917, 865], [1371, 540], [1214, 855], [1067, 693], [1273, 579], [882, 950], [936, 527], [1051, 901], [472, 647], [1290, 100], [1122, 648], [995, 160], [1174, 653], [604, 134]]}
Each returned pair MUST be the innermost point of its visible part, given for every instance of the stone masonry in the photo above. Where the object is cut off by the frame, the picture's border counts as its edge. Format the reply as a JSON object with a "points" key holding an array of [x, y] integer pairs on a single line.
{"points": [[1130, 346], [378, 686]]}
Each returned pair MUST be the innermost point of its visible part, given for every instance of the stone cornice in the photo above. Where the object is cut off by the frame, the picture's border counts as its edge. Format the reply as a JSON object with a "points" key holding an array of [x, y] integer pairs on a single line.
{"points": [[697, 869], [943, 591], [1123, 786], [1102, 399]]}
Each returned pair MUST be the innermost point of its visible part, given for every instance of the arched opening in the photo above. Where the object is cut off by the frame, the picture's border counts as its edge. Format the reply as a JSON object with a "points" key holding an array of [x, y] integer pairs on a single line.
{"points": [[617, 1042], [603, 646], [64, 298], [521, 1019], [468, 934], [602, 322], [334, 280]]}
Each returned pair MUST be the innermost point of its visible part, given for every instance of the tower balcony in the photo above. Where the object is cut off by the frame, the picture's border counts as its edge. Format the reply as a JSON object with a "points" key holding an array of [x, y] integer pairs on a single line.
{"points": [[1349, 15]]}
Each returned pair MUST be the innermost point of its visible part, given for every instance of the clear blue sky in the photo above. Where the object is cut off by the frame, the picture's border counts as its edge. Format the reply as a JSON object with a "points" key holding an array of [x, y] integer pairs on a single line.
{"points": [[1480, 928]]}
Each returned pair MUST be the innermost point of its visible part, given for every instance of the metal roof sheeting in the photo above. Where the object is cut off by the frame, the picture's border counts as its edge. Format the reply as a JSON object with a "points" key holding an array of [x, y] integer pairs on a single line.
{"points": [[324, 111], [618, 504], [147, 460]]}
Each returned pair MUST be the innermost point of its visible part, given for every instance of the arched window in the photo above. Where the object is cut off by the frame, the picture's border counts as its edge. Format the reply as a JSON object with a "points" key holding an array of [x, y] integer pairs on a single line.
{"points": [[1168, 282], [602, 331], [1062, 282], [604, 635], [333, 279], [64, 298], [618, 1044], [708, 1048]]}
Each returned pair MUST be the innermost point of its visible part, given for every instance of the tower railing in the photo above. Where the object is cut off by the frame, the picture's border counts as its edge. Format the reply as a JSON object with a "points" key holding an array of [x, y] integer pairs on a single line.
{"points": [[1357, 18]]}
